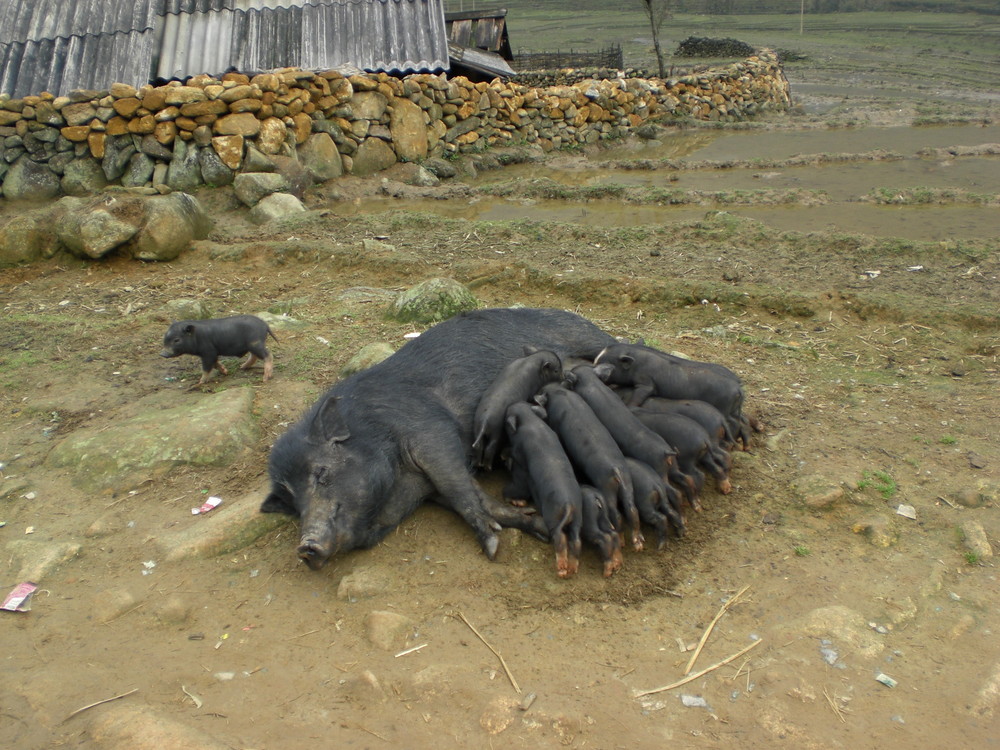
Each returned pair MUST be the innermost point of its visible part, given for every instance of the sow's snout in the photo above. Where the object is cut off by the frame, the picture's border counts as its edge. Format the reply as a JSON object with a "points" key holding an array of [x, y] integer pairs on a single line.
{"points": [[319, 539], [314, 553]]}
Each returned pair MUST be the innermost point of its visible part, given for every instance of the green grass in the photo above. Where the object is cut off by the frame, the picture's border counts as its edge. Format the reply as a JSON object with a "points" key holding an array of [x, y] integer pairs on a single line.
{"points": [[880, 481], [802, 551], [948, 440]]}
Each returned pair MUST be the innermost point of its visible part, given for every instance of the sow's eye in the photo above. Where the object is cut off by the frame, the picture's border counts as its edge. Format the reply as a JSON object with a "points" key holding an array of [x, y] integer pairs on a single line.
{"points": [[321, 475]]}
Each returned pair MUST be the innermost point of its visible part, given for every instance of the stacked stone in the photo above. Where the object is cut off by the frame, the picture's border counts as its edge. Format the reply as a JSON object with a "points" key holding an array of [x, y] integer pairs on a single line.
{"points": [[565, 76], [206, 130]]}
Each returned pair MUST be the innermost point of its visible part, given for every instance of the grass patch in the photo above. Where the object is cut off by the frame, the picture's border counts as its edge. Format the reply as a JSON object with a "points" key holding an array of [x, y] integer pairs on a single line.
{"points": [[880, 481]]}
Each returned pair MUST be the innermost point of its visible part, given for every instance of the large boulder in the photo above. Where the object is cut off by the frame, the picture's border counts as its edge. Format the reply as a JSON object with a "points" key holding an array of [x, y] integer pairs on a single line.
{"points": [[29, 180], [275, 206], [184, 172], [170, 223], [25, 237], [320, 157], [409, 133], [373, 156], [83, 176], [91, 228], [167, 429], [251, 187], [147, 228]]}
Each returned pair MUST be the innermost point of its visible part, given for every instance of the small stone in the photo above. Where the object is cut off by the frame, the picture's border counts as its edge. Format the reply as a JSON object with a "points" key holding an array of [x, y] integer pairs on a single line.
{"points": [[388, 630], [499, 715], [878, 531], [186, 308], [174, 610], [818, 493], [361, 584], [975, 539]]}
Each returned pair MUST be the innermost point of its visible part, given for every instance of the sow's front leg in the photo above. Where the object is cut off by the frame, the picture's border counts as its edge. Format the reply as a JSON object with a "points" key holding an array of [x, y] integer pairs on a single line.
{"points": [[442, 460]]}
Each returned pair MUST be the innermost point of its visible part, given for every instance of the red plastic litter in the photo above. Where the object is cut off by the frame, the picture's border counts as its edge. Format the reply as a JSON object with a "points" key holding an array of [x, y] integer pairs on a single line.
{"points": [[19, 600]]}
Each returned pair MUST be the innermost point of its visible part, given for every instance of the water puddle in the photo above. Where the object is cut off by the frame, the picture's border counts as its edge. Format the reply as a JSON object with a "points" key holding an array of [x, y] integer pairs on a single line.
{"points": [[784, 144]]}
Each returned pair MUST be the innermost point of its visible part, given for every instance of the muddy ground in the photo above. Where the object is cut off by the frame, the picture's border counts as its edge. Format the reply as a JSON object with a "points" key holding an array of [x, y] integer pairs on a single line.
{"points": [[875, 391]]}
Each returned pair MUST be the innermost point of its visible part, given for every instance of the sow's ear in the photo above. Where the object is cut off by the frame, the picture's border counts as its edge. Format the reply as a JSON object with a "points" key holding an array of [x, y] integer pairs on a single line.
{"points": [[328, 424], [278, 502]]}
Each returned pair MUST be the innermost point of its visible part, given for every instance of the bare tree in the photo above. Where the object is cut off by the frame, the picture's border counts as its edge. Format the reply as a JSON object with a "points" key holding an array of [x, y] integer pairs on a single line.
{"points": [[657, 11]]}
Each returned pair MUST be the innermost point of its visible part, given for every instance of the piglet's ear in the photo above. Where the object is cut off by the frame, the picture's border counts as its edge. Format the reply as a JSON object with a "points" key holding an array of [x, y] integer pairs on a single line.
{"points": [[328, 424], [189, 328], [529, 350], [603, 371], [626, 361]]}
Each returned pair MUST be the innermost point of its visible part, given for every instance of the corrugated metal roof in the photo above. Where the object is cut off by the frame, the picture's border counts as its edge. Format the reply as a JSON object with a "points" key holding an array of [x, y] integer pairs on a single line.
{"points": [[479, 62], [60, 45]]}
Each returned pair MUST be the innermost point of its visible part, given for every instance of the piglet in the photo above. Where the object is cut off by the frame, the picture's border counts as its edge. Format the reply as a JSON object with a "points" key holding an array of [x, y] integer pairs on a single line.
{"points": [[541, 469], [220, 337], [519, 380]]}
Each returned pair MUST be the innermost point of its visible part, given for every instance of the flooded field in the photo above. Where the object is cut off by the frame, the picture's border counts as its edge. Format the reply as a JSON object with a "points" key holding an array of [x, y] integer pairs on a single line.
{"points": [[908, 182]]}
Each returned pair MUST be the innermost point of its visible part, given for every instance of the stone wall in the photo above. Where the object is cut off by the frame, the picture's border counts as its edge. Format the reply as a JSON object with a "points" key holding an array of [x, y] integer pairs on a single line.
{"points": [[204, 131]]}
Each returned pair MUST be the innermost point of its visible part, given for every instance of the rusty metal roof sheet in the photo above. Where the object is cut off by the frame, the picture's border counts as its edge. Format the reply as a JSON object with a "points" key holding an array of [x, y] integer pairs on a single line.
{"points": [[60, 45]]}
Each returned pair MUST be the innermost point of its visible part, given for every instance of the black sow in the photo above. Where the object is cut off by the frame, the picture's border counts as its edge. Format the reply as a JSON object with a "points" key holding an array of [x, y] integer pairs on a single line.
{"points": [[379, 443]]}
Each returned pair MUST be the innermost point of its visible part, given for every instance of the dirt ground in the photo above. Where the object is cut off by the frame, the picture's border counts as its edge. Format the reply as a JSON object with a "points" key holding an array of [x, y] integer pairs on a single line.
{"points": [[875, 392]]}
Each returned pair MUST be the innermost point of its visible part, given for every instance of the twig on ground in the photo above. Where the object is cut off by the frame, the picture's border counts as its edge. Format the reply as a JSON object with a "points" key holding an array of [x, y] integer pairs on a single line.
{"points": [[696, 675], [836, 709], [510, 677], [98, 703], [711, 625]]}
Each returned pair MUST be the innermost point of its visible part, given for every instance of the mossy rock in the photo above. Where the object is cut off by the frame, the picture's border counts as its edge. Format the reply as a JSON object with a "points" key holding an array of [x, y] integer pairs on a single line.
{"points": [[432, 301]]}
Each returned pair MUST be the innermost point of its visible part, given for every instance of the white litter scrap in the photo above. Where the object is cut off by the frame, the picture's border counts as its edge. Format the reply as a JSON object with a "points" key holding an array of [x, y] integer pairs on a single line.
{"points": [[212, 502], [886, 680], [19, 600], [907, 511]]}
